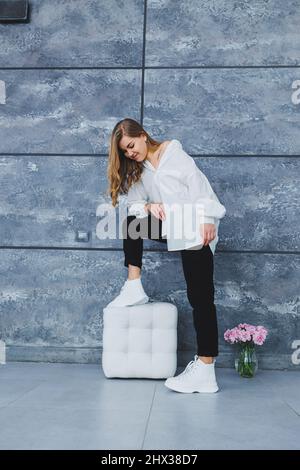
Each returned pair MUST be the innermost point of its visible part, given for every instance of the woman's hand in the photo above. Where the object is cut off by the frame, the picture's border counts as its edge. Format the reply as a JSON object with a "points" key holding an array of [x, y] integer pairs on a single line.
{"points": [[157, 210], [208, 232]]}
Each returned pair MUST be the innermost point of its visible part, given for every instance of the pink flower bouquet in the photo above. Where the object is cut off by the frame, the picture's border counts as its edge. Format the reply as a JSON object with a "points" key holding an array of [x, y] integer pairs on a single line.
{"points": [[248, 336]]}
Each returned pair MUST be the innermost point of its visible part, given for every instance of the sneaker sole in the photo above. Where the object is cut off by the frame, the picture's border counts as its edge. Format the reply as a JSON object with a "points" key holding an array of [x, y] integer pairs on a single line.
{"points": [[144, 300], [184, 390]]}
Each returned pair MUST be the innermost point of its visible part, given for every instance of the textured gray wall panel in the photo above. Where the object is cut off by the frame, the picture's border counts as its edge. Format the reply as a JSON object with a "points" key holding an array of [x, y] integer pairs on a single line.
{"points": [[65, 111], [86, 33], [56, 196], [226, 32], [225, 111], [55, 297], [220, 111], [76, 33], [220, 76]]}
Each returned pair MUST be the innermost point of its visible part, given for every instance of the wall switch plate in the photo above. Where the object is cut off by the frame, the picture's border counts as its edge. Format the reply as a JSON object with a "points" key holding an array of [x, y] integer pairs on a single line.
{"points": [[82, 236], [13, 11]]}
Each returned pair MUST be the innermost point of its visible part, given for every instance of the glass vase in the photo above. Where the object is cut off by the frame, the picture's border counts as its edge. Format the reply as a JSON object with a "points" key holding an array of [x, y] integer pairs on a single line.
{"points": [[246, 363]]}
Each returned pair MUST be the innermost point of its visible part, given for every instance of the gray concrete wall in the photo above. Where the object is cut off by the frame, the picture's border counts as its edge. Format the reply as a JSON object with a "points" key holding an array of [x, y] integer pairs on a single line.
{"points": [[219, 75]]}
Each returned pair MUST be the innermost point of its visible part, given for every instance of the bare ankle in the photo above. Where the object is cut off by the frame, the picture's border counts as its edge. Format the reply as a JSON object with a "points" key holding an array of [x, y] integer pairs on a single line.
{"points": [[134, 272], [206, 359]]}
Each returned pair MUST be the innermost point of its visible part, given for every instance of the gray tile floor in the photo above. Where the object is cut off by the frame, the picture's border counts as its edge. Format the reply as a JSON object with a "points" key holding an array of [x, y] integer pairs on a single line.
{"points": [[74, 406]]}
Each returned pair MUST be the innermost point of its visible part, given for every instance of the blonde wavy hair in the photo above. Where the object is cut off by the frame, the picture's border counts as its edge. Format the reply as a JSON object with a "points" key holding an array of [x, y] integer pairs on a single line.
{"points": [[122, 172]]}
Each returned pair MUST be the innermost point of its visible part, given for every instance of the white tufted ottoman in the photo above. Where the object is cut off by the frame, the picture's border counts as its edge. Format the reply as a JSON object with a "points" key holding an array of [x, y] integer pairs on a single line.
{"points": [[140, 340]]}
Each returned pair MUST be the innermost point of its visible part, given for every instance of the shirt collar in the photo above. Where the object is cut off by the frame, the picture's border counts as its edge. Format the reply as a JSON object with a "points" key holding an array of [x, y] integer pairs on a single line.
{"points": [[148, 164]]}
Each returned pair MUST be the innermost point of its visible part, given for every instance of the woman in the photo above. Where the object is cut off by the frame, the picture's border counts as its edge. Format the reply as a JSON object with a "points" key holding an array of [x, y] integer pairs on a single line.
{"points": [[160, 179]]}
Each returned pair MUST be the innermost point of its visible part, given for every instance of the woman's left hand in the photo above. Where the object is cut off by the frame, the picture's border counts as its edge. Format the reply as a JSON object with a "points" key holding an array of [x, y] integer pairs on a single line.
{"points": [[208, 232]]}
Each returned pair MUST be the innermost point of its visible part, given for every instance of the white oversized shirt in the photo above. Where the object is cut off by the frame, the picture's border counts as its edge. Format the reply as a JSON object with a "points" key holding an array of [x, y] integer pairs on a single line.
{"points": [[177, 181]]}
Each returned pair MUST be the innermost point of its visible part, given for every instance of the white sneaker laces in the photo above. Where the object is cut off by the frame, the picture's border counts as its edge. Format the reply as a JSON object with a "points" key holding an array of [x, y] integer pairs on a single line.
{"points": [[190, 368]]}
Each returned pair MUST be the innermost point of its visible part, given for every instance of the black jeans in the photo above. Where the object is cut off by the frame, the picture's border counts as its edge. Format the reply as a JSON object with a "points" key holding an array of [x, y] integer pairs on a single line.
{"points": [[198, 268]]}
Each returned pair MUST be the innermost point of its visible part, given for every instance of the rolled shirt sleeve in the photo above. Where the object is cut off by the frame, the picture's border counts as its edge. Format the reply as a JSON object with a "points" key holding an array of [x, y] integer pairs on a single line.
{"points": [[136, 200]]}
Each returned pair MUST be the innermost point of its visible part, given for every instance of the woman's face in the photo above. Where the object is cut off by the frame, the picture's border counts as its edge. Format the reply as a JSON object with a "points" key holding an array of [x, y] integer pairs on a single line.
{"points": [[134, 148]]}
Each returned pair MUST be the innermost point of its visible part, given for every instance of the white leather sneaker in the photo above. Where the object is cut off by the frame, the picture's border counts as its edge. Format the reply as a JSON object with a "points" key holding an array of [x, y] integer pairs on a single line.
{"points": [[132, 293], [196, 377]]}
